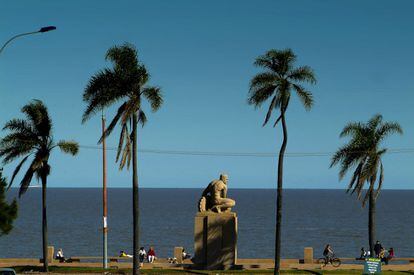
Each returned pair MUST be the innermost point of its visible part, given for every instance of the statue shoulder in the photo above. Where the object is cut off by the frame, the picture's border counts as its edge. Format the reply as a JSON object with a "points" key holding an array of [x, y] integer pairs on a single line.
{"points": [[220, 185]]}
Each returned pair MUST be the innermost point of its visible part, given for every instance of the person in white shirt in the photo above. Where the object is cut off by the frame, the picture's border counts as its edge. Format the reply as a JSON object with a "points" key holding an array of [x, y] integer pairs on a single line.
{"points": [[186, 255], [59, 255], [142, 254]]}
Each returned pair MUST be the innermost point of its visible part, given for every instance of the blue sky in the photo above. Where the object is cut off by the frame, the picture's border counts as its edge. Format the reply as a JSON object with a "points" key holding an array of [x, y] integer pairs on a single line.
{"points": [[201, 54]]}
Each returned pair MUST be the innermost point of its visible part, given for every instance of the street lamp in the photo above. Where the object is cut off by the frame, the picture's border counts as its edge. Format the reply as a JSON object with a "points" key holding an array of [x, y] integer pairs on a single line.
{"points": [[42, 30]]}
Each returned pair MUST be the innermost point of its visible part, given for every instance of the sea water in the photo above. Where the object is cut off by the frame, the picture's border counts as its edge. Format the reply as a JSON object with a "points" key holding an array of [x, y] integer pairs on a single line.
{"points": [[310, 218]]}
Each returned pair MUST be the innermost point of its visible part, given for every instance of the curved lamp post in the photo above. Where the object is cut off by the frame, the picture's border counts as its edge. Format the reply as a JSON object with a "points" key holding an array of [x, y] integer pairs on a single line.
{"points": [[42, 30]]}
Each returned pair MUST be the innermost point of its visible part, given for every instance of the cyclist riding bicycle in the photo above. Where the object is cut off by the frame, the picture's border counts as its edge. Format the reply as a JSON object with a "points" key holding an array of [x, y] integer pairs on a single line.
{"points": [[328, 253]]}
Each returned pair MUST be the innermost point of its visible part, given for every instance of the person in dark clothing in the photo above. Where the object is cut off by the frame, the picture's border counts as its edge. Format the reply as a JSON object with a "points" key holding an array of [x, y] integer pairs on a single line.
{"points": [[377, 249], [328, 253], [363, 254]]}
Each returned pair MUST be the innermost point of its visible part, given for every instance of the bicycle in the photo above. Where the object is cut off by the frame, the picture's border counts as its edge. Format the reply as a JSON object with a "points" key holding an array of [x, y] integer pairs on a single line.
{"points": [[334, 261]]}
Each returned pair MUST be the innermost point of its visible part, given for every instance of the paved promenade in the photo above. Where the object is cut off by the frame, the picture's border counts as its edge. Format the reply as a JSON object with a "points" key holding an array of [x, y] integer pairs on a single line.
{"points": [[247, 264]]}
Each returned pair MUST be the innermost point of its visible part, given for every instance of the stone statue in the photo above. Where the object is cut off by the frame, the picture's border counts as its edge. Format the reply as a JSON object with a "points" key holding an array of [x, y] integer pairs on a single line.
{"points": [[214, 197]]}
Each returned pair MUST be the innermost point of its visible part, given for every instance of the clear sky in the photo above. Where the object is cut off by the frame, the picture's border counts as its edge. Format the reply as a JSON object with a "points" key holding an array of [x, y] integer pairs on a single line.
{"points": [[201, 54]]}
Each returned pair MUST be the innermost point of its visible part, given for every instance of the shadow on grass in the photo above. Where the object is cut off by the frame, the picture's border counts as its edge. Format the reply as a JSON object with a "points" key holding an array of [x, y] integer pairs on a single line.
{"points": [[312, 272]]}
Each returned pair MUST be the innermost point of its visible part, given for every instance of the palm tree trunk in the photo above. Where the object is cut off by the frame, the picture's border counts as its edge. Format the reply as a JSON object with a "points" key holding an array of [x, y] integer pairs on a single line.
{"points": [[279, 195], [135, 198], [371, 221], [44, 225]]}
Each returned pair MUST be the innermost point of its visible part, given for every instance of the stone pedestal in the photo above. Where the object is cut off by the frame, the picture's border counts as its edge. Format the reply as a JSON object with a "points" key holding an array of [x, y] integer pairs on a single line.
{"points": [[308, 255], [50, 253], [178, 254], [215, 240]]}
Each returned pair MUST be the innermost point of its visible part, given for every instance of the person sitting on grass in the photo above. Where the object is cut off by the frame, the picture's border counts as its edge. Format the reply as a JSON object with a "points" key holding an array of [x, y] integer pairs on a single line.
{"points": [[382, 255], [363, 254], [390, 255], [124, 254], [377, 249], [59, 256], [151, 255], [186, 255]]}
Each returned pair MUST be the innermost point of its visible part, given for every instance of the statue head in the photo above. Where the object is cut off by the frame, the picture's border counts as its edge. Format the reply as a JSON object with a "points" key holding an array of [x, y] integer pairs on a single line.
{"points": [[224, 178]]}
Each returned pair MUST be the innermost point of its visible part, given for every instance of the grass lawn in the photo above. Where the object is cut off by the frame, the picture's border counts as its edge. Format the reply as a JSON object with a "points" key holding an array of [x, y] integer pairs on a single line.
{"points": [[76, 270]]}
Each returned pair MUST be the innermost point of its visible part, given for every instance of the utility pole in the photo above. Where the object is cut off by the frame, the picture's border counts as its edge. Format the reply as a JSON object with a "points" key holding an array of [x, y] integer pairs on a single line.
{"points": [[104, 197]]}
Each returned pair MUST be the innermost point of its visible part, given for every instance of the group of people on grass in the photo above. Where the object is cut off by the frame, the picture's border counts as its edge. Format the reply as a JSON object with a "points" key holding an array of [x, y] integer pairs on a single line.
{"points": [[150, 255], [184, 256], [380, 252], [142, 254]]}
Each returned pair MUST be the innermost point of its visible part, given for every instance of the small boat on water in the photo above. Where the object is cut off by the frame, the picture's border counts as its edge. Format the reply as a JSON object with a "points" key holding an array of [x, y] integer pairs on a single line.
{"points": [[35, 186]]}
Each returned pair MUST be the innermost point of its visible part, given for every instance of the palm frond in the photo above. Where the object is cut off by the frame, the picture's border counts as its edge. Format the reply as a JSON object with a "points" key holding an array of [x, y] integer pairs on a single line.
{"points": [[12, 152], [264, 79], [38, 116], [259, 96], [126, 154], [132, 106], [389, 128], [102, 90], [18, 139], [352, 129], [124, 57], [305, 97], [69, 147], [124, 132], [303, 74], [154, 96], [354, 180], [375, 121], [19, 125], [142, 118], [17, 169], [114, 121], [380, 180], [24, 184], [269, 112]]}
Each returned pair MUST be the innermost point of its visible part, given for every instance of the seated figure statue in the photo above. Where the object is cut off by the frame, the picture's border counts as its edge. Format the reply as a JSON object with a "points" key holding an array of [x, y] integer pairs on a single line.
{"points": [[214, 197]]}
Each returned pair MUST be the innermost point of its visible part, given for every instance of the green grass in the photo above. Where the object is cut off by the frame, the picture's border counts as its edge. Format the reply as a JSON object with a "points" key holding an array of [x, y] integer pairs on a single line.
{"points": [[75, 270]]}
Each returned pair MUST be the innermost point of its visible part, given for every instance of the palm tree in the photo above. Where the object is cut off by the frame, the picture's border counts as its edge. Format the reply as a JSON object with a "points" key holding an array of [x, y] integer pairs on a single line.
{"points": [[126, 82], [8, 211], [276, 82], [363, 152], [32, 137]]}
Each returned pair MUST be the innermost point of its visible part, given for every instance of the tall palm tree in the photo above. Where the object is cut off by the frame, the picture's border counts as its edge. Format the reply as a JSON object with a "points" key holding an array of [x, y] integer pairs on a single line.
{"points": [[8, 211], [276, 82], [32, 137], [127, 82], [364, 152]]}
